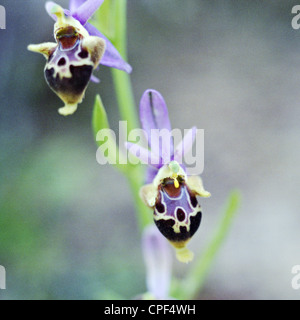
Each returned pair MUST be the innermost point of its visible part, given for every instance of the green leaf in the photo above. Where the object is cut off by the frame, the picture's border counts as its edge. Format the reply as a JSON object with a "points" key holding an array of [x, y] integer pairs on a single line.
{"points": [[100, 122], [99, 116]]}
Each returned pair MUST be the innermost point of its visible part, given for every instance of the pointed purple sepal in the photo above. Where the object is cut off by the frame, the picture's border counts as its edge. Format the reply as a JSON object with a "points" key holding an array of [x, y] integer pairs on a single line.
{"points": [[154, 117], [85, 11], [145, 155], [111, 57], [185, 145], [74, 4]]}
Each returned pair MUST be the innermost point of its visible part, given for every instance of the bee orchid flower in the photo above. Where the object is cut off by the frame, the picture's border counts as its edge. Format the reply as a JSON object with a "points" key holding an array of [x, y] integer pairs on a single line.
{"points": [[77, 52], [169, 191]]}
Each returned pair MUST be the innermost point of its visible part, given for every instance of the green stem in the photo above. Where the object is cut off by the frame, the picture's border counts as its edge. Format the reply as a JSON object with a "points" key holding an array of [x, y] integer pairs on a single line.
{"points": [[127, 108], [125, 98], [192, 284], [120, 27], [121, 79]]}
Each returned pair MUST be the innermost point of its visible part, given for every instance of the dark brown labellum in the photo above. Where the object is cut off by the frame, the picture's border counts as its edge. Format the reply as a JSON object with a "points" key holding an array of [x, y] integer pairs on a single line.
{"points": [[177, 213], [166, 228], [69, 69], [73, 87]]}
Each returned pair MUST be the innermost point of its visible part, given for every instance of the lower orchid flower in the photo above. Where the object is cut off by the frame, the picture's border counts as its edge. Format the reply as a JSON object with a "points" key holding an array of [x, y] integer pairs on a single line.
{"points": [[169, 191], [77, 52]]}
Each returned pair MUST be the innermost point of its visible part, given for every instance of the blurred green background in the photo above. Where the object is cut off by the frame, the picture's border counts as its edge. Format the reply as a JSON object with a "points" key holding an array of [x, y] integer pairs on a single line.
{"points": [[67, 224]]}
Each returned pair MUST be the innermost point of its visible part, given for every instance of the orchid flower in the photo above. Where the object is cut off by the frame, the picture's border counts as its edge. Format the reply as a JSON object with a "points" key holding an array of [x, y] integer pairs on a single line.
{"points": [[78, 50], [158, 262], [169, 191]]}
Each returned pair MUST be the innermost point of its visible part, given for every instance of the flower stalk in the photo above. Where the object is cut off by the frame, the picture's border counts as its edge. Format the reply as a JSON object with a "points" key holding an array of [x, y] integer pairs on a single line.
{"points": [[122, 82], [117, 31], [127, 108]]}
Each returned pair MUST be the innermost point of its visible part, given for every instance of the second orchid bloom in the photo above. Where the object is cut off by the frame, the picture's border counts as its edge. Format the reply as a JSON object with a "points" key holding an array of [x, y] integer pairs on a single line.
{"points": [[169, 191]]}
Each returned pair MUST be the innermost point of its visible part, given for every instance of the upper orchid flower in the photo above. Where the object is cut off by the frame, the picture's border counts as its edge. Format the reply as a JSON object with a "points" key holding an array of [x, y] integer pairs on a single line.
{"points": [[78, 50], [170, 191]]}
